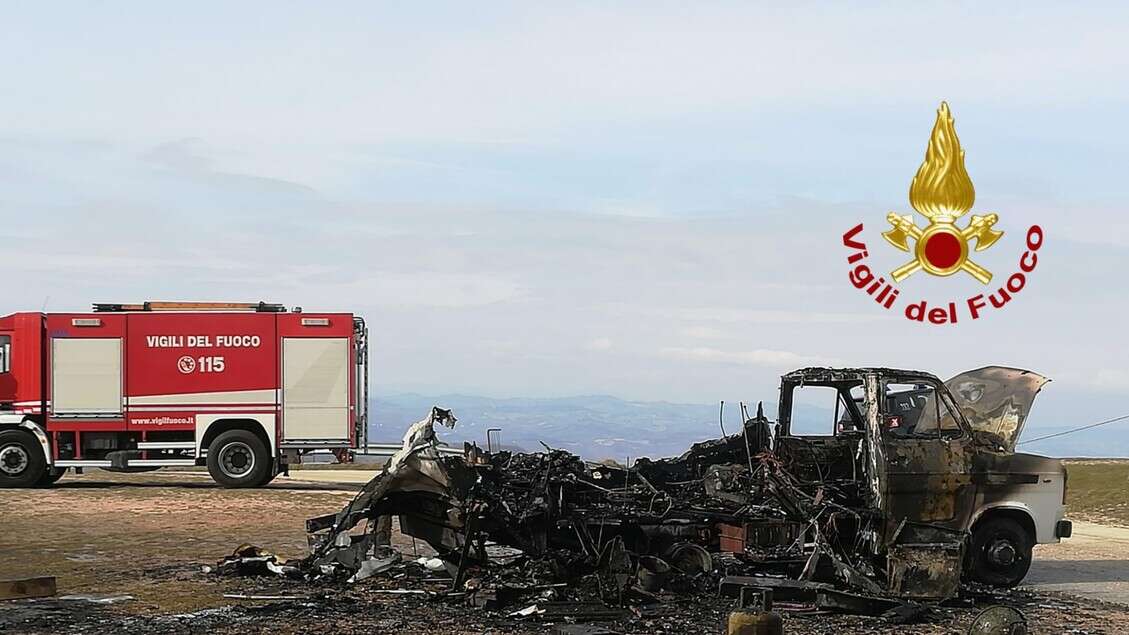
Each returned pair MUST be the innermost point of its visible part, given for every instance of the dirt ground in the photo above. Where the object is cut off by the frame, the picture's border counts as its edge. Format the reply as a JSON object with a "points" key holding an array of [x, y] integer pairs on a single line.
{"points": [[1092, 564], [149, 535]]}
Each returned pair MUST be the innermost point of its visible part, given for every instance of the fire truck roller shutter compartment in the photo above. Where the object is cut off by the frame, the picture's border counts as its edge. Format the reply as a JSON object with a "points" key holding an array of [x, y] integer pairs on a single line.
{"points": [[315, 389], [184, 364], [86, 375]]}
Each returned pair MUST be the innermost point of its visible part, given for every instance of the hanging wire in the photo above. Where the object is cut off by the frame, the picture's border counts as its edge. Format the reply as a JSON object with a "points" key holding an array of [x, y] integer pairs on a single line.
{"points": [[1065, 432]]}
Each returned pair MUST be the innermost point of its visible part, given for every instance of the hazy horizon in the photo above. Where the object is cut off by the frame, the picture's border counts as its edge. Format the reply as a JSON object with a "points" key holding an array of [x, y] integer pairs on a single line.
{"points": [[605, 426]]}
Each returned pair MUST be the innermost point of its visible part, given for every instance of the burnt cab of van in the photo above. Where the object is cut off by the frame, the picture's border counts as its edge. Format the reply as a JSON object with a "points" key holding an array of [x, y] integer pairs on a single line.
{"points": [[922, 450]]}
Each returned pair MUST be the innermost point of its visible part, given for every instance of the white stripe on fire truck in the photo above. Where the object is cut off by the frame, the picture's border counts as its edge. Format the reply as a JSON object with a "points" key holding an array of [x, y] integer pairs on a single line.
{"points": [[230, 397], [205, 407]]}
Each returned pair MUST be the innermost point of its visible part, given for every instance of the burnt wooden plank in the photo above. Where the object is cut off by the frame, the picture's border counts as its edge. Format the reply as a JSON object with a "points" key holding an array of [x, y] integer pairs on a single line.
{"points": [[27, 588]]}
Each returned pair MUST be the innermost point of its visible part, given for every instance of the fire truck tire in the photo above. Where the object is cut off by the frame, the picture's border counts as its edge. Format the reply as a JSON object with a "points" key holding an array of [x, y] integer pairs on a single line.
{"points": [[51, 476], [1000, 552], [21, 460], [238, 458], [269, 477]]}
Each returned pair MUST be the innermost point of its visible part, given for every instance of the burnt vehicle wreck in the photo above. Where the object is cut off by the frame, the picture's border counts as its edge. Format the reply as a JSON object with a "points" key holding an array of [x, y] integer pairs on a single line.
{"points": [[913, 487]]}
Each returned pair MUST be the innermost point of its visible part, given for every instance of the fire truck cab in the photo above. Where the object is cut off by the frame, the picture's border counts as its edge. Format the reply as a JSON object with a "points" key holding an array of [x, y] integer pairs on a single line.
{"points": [[244, 389]]}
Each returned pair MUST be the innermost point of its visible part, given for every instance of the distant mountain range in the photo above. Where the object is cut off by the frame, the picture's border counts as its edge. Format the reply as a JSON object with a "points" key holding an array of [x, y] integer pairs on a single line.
{"points": [[595, 427], [599, 426]]}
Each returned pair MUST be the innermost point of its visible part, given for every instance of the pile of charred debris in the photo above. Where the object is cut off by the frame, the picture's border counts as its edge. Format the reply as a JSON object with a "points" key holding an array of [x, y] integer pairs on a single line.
{"points": [[547, 536]]}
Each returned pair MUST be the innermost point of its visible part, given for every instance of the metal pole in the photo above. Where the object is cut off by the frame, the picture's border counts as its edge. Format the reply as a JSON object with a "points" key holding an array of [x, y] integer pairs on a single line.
{"points": [[748, 452]]}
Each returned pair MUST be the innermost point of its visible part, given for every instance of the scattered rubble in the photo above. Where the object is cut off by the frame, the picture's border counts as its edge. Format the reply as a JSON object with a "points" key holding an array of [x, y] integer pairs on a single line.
{"points": [[98, 598], [549, 537], [864, 521]]}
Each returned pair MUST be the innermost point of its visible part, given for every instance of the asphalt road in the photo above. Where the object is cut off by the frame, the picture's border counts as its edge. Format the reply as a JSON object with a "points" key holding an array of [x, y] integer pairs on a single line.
{"points": [[1094, 563]]}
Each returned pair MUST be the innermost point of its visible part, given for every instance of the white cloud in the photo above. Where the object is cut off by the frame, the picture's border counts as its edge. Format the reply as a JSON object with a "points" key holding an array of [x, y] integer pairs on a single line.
{"points": [[776, 316], [373, 71], [758, 357], [703, 332], [599, 344], [1112, 379], [425, 289]]}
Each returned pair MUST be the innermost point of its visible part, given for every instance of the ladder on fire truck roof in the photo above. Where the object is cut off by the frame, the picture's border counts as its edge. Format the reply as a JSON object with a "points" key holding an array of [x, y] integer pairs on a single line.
{"points": [[259, 307]]}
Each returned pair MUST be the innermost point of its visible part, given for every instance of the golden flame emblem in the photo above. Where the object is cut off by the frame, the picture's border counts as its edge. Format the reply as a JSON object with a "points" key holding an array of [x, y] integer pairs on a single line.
{"points": [[942, 192]]}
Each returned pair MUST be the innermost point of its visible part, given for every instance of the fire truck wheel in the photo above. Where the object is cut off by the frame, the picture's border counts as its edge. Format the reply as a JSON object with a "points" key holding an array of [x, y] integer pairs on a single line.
{"points": [[51, 476], [238, 458], [21, 460], [1000, 552]]}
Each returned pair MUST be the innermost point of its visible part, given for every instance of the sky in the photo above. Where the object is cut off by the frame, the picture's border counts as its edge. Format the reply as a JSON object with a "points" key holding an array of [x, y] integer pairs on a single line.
{"points": [[637, 199]]}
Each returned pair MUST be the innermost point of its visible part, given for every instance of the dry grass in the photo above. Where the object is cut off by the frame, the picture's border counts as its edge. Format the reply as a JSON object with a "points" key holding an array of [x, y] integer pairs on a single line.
{"points": [[1098, 491]]}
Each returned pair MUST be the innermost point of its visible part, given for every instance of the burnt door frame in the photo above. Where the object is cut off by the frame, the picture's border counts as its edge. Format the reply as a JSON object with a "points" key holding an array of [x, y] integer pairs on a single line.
{"points": [[928, 476]]}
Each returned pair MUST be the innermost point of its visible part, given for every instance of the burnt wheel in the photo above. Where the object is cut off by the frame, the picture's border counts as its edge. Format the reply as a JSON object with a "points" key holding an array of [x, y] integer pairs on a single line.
{"points": [[1000, 552], [238, 458], [21, 460]]}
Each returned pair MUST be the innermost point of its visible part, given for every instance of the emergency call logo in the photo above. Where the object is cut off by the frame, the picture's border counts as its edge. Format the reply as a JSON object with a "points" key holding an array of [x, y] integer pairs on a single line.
{"points": [[186, 364], [942, 193]]}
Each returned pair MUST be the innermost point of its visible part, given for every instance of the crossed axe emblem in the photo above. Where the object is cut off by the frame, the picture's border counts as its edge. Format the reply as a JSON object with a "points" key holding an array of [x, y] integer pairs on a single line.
{"points": [[942, 192], [942, 247]]}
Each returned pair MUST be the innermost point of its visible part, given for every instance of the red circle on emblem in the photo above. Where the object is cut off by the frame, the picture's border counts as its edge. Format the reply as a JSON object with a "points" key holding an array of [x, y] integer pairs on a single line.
{"points": [[942, 250]]}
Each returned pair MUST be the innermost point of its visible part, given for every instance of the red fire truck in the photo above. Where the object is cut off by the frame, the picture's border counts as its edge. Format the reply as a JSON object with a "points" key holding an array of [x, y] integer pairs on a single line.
{"points": [[245, 389]]}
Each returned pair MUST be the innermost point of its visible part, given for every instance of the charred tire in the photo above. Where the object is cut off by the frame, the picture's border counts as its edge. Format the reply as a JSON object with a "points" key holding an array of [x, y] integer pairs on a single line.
{"points": [[51, 476], [1000, 552], [21, 459], [238, 458]]}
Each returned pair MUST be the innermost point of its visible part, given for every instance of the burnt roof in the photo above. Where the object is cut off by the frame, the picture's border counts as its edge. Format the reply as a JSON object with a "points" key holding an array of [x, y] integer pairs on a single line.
{"points": [[823, 373]]}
